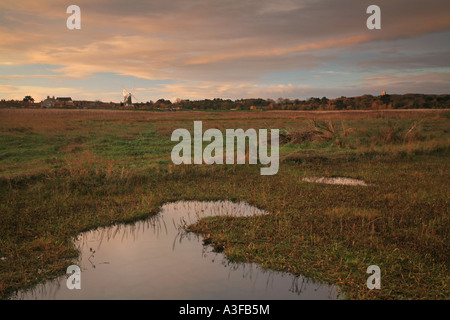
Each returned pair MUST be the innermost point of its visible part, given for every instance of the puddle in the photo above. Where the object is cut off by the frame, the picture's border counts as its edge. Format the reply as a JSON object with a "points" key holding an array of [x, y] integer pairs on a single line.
{"points": [[156, 259], [336, 180]]}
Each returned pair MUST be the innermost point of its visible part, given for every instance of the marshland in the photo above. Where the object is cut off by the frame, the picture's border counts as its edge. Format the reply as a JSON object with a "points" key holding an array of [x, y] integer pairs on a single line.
{"points": [[64, 172], [156, 258]]}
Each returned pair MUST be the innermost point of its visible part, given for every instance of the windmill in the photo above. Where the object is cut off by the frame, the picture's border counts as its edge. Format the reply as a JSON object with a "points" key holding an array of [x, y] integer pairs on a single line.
{"points": [[127, 101]]}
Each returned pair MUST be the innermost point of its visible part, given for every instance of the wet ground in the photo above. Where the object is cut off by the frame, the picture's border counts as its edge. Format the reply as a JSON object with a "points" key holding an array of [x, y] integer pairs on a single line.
{"points": [[156, 259], [336, 180]]}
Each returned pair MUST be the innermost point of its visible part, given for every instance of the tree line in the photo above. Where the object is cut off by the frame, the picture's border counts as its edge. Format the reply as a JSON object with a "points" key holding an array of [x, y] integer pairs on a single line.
{"points": [[364, 102]]}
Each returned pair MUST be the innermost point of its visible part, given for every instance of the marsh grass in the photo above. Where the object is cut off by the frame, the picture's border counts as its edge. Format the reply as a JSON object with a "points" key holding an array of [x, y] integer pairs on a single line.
{"points": [[65, 172]]}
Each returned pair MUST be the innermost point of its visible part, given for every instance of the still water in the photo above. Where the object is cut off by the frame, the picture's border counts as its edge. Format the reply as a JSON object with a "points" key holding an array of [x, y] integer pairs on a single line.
{"points": [[336, 180], [157, 259]]}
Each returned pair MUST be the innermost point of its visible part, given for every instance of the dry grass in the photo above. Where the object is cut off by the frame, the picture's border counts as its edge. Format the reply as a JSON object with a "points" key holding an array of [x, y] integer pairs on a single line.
{"points": [[65, 171]]}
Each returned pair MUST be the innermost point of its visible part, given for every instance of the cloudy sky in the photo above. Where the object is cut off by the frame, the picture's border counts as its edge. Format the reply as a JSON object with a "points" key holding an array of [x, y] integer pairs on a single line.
{"points": [[232, 49]]}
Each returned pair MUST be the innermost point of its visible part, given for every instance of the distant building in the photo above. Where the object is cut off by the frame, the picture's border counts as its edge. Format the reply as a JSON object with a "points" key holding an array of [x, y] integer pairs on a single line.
{"points": [[383, 93], [64, 102], [49, 102]]}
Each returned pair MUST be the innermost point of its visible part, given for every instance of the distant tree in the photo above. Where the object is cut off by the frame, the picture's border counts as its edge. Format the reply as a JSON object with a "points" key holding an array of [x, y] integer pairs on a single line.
{"points": [[163, 101], [324, 100], [386, 99], [28, 99], [339, 104]]}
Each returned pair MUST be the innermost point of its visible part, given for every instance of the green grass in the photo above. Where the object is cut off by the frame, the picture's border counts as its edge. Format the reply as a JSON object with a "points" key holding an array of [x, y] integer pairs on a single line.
{"points": [[91, 171]]}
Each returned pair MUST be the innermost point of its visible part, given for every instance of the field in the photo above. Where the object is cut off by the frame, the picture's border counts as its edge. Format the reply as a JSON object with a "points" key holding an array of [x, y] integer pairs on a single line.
{"points": [[66, 171]]}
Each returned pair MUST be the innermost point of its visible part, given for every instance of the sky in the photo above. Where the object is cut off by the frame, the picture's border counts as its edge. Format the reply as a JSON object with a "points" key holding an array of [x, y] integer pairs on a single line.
{"points": [[229, 49]]}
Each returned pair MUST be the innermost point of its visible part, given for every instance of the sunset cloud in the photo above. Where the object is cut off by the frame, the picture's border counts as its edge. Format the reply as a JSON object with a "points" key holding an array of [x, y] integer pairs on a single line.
{"points": [[199, 48]]}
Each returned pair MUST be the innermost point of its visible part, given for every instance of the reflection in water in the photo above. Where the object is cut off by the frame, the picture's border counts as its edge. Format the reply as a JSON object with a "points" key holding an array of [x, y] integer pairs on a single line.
{"points": [[157, 259], [336, 180]]}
